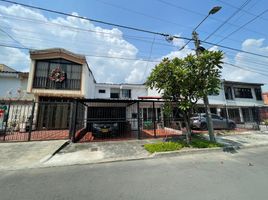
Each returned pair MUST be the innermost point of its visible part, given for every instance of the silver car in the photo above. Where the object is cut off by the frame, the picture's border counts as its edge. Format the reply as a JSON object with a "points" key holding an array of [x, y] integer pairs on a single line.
{"points": [[200, 121]]}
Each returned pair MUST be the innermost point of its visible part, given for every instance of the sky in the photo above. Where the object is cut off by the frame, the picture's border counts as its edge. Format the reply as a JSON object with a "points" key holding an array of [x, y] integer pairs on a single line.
{"points": [[118, 55]]}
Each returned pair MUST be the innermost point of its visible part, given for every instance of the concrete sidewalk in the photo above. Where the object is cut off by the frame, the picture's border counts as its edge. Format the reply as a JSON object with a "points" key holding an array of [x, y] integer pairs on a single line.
{"points": [[99, 152], [21, 155]]}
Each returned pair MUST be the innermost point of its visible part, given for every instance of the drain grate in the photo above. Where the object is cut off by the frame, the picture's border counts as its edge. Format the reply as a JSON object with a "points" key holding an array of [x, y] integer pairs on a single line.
{"points": [[94, 149]]}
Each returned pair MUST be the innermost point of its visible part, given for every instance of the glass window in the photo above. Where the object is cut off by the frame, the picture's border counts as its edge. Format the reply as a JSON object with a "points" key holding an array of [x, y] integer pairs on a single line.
{"points": [[126, 93], [228, 92], [115, 93], [71, 73], [258, 93], [243, 93], [101, 91]]}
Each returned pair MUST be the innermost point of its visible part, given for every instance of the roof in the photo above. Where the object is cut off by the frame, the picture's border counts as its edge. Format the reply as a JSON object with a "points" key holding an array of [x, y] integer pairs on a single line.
{"points": [[241, 83], [5, 68], [57, 53]]}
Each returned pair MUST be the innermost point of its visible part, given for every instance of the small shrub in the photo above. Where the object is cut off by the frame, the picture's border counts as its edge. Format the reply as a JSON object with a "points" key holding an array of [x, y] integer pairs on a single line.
{"points": [[265, 122], [163, 146]]}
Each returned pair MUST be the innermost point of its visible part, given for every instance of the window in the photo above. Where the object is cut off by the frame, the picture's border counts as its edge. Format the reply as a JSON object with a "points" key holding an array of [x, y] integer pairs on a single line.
{"points": [[228, 92], [258, 93], [115, 93], [72, 73], [102, 91], [243, 93], [216, 117], [126, 93]]}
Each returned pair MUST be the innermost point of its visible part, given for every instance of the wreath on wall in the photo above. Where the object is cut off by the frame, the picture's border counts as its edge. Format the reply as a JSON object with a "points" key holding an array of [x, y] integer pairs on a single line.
{"points": [[57, 75]]}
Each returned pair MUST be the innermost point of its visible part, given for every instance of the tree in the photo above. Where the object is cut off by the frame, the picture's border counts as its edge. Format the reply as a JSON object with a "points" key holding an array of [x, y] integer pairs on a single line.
{"points": [[185, 81]]}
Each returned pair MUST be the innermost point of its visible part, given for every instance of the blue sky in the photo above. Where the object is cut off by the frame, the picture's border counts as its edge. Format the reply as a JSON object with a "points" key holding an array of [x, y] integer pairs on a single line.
{"points": [[166, 16]]}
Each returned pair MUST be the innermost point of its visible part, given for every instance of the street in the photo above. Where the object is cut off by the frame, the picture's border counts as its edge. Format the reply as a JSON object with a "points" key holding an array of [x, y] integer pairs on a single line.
{"points": [[219, 175]]}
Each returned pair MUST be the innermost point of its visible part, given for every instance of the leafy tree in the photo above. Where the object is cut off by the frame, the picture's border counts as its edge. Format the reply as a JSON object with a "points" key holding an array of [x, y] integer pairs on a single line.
{"points": [[185, 81]]}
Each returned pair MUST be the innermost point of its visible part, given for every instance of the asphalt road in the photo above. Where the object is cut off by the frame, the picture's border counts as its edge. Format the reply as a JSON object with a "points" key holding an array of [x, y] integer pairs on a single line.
{"points": [[242, 175]]}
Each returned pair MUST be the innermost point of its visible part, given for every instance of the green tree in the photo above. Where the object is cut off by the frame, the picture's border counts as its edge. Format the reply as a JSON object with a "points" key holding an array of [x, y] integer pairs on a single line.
{"points": [[183, 82]]}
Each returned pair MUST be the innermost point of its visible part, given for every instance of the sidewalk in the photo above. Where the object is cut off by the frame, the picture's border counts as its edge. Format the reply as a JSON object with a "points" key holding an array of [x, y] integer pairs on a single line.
{"points": [[99, 152], [21, 155], [38, 154]]}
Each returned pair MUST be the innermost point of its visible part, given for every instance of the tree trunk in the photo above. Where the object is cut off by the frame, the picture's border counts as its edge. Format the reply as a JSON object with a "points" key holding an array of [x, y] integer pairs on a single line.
{"points": [[187, 126], [209, 121]]}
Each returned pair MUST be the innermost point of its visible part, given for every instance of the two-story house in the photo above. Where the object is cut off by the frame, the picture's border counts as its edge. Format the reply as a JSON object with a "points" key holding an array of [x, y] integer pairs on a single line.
{"points": [[58, 75]]}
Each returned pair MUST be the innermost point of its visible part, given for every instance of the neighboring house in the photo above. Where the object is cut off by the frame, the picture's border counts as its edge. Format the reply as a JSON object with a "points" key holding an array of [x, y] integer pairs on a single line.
{"points": [[238, 101], [14, 98]]}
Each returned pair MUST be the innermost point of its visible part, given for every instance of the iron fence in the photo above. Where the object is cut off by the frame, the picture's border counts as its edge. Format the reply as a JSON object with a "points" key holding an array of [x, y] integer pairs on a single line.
{"points": [[104, 120], [33, 121]]}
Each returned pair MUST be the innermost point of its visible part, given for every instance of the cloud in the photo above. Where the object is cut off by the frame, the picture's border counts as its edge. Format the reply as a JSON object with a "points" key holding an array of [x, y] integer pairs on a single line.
{"points": [[247, 61], [34, 30]]}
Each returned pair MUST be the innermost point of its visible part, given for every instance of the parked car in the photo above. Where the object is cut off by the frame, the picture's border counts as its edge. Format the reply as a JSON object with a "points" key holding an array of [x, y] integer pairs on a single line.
{"points": [[105, 129], [200, 121]]}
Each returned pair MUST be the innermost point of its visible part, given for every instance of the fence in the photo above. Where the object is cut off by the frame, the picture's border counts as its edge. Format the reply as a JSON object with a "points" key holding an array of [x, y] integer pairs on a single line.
{"points": [[101, 120], [33, 121]]}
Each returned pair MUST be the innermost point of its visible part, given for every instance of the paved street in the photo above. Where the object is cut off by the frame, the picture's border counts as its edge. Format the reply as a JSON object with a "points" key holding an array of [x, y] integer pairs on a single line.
{"points": [[219, 175]]}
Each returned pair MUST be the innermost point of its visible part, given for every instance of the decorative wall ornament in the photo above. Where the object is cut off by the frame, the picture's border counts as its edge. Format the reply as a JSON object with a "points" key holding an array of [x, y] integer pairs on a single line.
{"points": [[57, 75]]}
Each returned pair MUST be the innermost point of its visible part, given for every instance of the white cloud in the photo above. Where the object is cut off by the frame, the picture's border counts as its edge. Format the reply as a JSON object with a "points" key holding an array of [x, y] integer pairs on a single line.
{"points": [[54, 32], [251, 62]]}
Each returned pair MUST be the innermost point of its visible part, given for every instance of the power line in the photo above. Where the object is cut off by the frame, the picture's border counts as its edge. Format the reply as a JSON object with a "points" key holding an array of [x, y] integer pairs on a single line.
{"points": [[149, 57], [144, 60], [245, 11], [90, 19], [89, 55], [246, 69], [245, 24], [141, 13], [10, 36], [131, 28], [228, 19], [203, 15]]}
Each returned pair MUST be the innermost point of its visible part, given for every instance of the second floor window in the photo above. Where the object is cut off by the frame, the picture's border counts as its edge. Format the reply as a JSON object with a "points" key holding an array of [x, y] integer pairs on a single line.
{"points": [[102, 91], [228, 92], [115, 93], [243, 93], [46, 75], [126, 93], [258, 93]]}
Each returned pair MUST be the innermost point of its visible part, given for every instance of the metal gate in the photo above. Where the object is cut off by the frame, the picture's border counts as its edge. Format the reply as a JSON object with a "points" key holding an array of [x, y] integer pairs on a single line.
{"points": [[106, 120], [33, 121]]}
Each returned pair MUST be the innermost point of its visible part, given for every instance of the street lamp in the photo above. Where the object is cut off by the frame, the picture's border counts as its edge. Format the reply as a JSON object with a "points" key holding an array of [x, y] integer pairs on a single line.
{"points": [[211, 12]]}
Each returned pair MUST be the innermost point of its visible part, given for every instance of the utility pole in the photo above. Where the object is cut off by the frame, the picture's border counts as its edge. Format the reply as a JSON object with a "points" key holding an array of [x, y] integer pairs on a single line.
{"points": [[198, 50]]}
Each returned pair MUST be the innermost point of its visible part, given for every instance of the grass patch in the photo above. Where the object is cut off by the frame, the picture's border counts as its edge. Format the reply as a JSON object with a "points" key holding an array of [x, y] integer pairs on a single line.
{"points": [[164, 146], [197, 142]]}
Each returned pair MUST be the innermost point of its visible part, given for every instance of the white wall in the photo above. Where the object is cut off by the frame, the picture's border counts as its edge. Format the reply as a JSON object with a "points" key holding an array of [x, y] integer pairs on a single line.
{"points": [[136, 90], [9, 82], [88, 83], [154, 93]]}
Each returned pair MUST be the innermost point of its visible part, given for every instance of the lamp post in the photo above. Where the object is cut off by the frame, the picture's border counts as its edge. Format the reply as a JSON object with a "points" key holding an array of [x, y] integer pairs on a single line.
{"points": [[198, 50]]}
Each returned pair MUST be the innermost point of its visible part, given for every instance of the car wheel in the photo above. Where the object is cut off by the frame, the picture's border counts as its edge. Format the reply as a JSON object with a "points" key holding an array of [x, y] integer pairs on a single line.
{"points": [[203, 126], [232, 126]]}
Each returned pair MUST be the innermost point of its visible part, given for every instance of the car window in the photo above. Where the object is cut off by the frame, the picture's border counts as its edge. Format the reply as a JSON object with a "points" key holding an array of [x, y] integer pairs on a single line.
{"points": [[215, 117]]}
